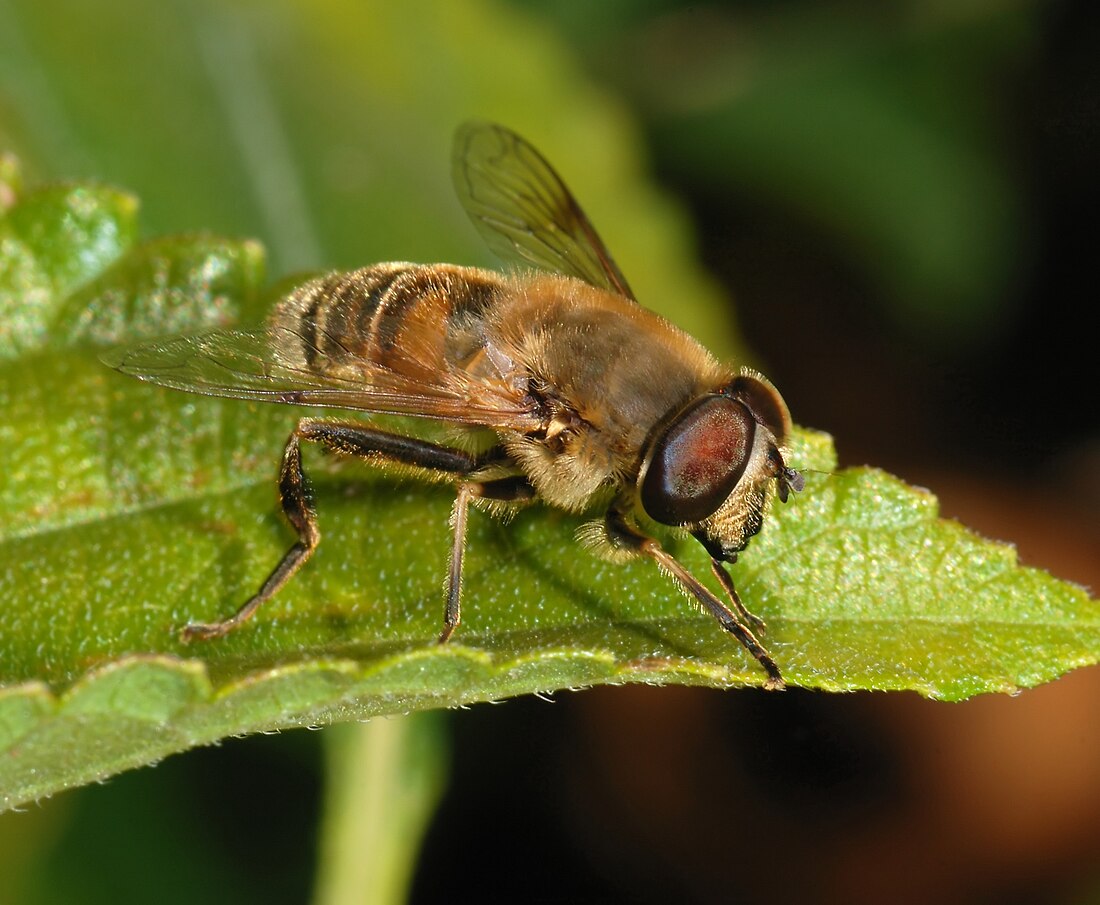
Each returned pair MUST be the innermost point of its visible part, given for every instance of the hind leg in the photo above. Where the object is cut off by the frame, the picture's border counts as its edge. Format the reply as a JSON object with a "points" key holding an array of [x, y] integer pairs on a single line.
{"points": [[381, 447]]}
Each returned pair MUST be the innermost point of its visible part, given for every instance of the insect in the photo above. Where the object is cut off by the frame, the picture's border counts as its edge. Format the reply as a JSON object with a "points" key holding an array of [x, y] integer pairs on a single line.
{"points": [[591, 399]]}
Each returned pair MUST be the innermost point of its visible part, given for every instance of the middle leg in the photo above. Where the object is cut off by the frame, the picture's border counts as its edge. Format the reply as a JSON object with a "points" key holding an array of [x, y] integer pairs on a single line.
{"points": [[513, 489]]}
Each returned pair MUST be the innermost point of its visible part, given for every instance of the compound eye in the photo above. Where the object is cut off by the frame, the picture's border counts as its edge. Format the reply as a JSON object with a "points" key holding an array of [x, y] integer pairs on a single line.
{"points": [[698, 460], [764, 401]]}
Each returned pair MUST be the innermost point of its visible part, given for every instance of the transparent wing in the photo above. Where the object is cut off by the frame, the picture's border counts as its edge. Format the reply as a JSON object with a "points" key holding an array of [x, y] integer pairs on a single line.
{"points": [[524, 211], [250, 364]]}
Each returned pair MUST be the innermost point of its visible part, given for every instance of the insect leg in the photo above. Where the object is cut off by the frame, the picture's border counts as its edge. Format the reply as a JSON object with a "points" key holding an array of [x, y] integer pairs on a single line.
{"points": [[298, 508], [726, 581], [452, 614], [621, 532], [350, 439], [511, 490]]}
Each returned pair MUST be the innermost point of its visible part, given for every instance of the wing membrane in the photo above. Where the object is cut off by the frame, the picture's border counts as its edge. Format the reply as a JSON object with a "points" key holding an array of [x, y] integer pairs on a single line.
{"points": [[252, 364], [524, 211]]}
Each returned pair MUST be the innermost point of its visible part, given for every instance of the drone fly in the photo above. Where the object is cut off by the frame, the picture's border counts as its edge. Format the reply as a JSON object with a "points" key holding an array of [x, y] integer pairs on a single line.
{"points": [[588, 397]]}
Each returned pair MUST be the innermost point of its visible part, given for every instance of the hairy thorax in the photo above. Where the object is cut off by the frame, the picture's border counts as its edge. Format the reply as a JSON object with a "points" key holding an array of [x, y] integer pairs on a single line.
{"points": [[604, 371]]}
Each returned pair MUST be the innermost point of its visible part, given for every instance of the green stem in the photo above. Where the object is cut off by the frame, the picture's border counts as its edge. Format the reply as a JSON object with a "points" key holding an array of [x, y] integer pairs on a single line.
{"points": [[384, 779]]}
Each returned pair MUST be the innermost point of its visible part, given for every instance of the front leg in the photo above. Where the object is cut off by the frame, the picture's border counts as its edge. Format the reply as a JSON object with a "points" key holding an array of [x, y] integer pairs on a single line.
{"points": [[620, 531]]}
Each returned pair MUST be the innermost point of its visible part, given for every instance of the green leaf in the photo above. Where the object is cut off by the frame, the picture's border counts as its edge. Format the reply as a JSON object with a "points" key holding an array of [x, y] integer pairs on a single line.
{"points": [[130, 511], [54, 240]]}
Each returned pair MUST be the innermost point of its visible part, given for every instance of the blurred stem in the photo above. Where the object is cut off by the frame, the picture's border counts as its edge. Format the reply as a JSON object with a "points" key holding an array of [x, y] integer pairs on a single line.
{"points": [[384, 779]]}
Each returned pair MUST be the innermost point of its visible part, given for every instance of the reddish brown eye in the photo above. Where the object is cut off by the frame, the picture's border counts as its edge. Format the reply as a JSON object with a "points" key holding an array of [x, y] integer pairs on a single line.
{"points": [[698, 460]]}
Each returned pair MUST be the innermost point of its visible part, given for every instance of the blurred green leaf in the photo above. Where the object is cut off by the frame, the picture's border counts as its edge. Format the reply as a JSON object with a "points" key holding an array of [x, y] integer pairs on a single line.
{"points": [[54, 240], [130, 511], [889, 132], [322, 127]]}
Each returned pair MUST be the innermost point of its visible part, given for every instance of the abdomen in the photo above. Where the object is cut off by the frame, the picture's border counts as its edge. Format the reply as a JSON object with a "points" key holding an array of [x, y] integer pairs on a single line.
{"points": [[415, 319]]}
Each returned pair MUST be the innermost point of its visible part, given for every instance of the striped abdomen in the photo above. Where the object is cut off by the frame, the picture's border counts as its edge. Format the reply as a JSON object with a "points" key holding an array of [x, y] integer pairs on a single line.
{"points": [[415, 319]]}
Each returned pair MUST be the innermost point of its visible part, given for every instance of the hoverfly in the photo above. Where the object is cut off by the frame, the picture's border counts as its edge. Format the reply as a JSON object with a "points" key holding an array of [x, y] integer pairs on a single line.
{"points": [[589, 396]]}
